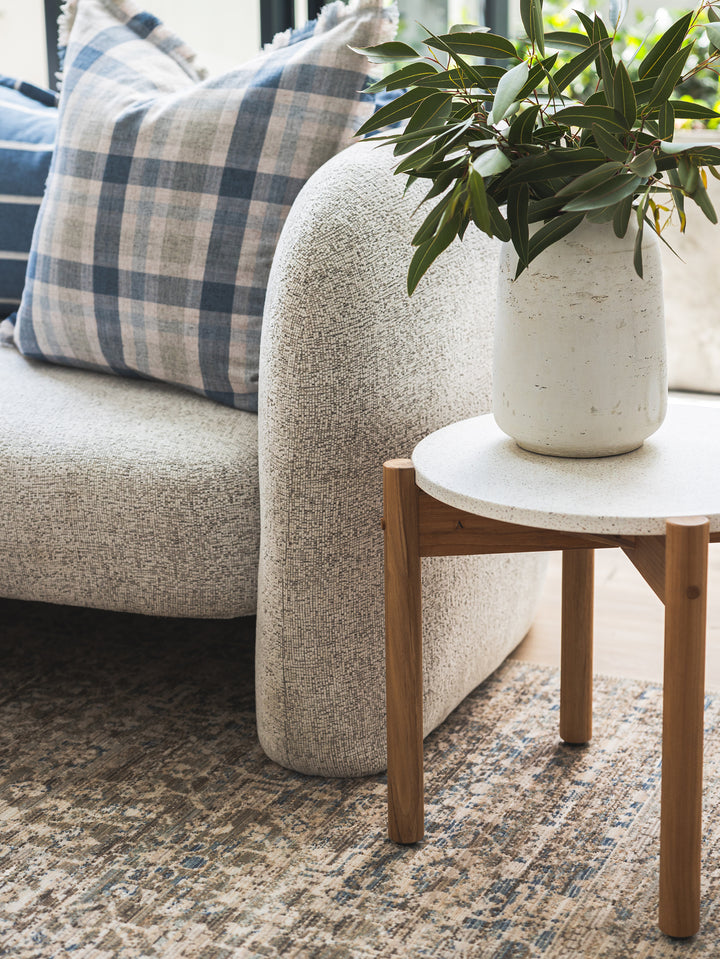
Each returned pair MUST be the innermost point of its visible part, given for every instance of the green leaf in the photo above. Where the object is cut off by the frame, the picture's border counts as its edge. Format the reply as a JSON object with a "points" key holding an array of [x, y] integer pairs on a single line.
{"points": [[417, 159], [644, 164], [603, 215], [621, 219], [555, 163], [668, 44], [597, 99], [429, 251], [706, 154], [506, 94], [586, 22], [623, 95], [642, 89], [666, 120], [600, 31], [500, 226], [517, 209], [389, 52], [550, 133], [535, 77], [689, 175], [441, 135], [677, 194], [485, 77], [478, 202], [594, 177], [431, 221], [668, 78], [406, 76], [585, 116], [551, 232], [523, 125], [575, 67], [686, 147], [468, 28], [637, 254], [713, 15], [542, 209], [609, 144], [605, 194], [565, 40], [476, 44], [431, 110], [491, 162], [686, 110], [607, 72], [713, 32], [538, 32], [527, 18], [399, 109]]}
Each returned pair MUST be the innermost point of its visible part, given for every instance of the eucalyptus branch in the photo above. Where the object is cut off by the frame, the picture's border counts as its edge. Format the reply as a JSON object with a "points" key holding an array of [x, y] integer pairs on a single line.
{"points": [[585, 155]]}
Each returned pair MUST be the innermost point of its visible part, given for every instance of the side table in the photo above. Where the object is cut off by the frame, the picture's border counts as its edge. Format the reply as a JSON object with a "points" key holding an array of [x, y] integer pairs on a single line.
{"points": [[470, 489]]}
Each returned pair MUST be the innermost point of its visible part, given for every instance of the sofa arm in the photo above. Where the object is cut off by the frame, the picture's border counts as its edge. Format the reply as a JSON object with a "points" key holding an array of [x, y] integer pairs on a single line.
{"points": [[353, 372]]}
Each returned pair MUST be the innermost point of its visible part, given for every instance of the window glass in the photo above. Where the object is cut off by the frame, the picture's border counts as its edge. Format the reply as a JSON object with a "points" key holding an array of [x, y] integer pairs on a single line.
{"points": [[22, 40], [436, 15]]}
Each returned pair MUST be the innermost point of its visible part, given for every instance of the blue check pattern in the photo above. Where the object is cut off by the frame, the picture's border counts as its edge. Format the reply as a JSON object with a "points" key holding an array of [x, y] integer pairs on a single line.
{"points": [[28, 122], [167, 192]]}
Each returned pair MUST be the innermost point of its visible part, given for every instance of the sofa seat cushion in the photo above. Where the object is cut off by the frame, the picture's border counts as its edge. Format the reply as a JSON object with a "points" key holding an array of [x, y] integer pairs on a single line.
{"points": [[125, 494]]}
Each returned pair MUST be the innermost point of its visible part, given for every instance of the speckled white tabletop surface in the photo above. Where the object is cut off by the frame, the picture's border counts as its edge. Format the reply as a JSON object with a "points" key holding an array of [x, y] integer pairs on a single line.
{"points": [[474, 466]]}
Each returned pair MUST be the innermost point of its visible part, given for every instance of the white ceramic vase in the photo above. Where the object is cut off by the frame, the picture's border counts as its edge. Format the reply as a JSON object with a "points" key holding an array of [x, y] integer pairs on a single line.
{"points": [[579, 366]]}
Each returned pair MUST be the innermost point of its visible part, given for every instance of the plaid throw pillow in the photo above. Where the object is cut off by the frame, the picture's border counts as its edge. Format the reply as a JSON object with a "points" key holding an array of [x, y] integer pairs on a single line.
{"points": [[28, 121], [167, 193]]}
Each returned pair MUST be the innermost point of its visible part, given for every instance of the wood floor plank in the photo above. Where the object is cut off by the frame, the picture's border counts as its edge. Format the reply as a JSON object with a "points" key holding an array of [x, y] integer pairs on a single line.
{"points": [[629, 621]]}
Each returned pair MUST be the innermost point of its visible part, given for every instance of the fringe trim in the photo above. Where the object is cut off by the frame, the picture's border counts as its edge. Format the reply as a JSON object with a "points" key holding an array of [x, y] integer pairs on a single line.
{"points": [[66, 19], [336, 11], [182, 53]]}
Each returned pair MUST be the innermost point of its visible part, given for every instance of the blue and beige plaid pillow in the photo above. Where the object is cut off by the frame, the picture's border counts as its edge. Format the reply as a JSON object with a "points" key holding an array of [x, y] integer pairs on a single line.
{"points": [[28, 121], [167, 192]]}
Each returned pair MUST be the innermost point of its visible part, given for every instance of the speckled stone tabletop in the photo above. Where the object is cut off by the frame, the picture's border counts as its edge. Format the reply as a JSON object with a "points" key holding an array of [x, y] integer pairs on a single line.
{"points": [[474, 466]]}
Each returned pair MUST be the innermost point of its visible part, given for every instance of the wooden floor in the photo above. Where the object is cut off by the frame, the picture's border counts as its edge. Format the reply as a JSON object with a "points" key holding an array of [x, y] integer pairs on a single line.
{"points": [[628, 620]]}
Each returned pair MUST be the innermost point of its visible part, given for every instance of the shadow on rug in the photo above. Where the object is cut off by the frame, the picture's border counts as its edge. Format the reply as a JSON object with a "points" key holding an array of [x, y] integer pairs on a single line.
{"points": [[140, 818]]}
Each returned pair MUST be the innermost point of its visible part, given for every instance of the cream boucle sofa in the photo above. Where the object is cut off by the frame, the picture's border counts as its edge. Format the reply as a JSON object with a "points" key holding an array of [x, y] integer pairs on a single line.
{"points": [[131, 495]]}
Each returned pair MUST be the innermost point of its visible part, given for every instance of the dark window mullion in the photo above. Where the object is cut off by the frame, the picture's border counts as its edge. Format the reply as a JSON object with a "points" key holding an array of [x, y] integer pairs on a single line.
{"points": [[496, 16], [275, 15], [52, 11]]}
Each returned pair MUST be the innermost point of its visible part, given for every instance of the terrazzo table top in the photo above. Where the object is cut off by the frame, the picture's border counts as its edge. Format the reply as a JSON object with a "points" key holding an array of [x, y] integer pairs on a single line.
{"points": [[475, 467]]}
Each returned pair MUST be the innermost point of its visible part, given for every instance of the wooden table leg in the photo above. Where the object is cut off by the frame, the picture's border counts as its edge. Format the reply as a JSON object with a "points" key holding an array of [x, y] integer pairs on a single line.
{"points": [[403, 653], [686, 566], [577, 645]]}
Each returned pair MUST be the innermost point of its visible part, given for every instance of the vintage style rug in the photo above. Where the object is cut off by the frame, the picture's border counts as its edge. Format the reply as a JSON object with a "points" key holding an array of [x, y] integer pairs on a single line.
{"points": [[140, 818]]}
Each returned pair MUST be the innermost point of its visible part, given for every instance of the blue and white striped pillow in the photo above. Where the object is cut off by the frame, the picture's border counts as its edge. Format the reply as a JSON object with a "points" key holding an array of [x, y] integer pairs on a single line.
{"points": [[167, 193], [28, 122]]}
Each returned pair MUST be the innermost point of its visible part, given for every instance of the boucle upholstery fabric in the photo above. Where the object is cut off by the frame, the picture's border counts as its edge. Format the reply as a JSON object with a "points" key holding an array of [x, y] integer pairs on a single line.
{"points": [[352, 373], [166, 195], [125, 495]]}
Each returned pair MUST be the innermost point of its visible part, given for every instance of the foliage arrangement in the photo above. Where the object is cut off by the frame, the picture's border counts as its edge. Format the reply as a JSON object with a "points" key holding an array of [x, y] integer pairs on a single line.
{"points": [[634, 35], [508, 143]]}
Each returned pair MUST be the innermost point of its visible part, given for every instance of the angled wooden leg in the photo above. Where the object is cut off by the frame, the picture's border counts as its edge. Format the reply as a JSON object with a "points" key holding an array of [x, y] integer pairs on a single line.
{"points": [[403, 653], [577, 645], [683, 704]]}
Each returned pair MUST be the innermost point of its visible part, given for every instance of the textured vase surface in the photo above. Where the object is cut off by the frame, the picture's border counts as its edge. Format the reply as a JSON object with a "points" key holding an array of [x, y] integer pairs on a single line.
{"points": [[579, 365]]}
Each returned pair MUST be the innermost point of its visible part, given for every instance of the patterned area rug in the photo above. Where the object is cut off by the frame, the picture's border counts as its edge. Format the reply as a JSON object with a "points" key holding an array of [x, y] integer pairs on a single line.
{"points": [[140, 818]]}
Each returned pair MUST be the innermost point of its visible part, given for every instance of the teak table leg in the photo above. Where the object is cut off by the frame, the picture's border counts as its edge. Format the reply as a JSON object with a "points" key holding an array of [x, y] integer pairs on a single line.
{"points": [[403, 653], [686, 566], [576, 645]]}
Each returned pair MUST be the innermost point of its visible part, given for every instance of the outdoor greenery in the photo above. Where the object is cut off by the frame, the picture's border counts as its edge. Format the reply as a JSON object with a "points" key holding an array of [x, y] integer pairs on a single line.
{"points": [[563, 126]]}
